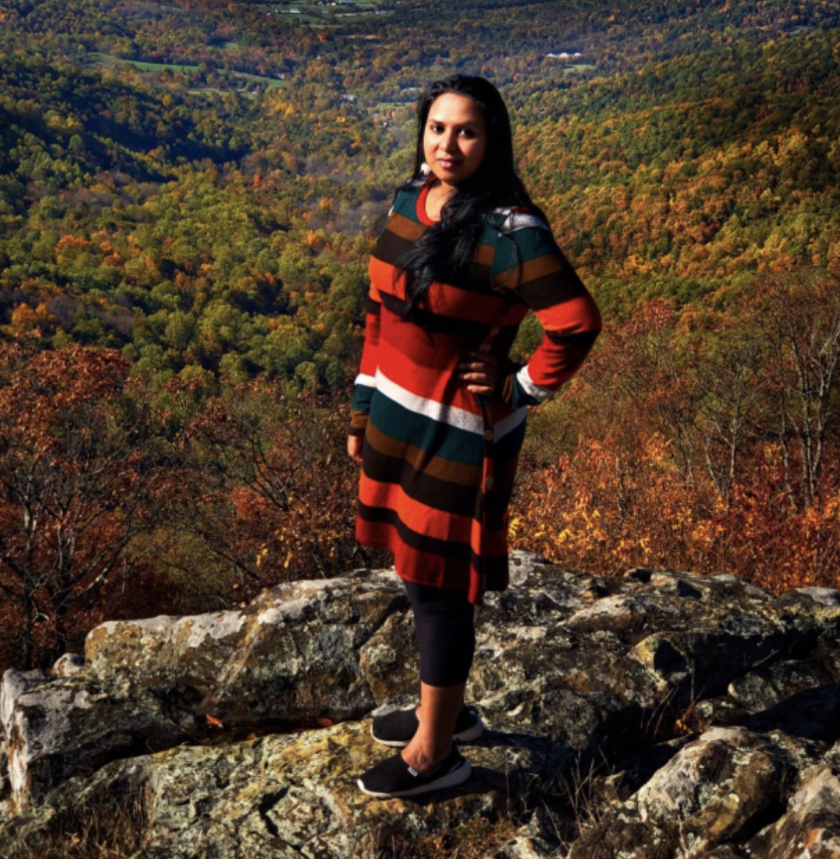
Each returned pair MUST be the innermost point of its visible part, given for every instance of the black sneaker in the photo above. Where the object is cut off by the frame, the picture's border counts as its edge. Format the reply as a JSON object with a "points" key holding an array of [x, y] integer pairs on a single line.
{"points": [[398, 727], [394, 777]]}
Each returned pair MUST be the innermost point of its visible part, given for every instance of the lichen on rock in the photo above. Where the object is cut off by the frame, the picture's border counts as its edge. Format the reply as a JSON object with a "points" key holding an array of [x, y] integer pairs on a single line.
{"points": [[655, 714]]}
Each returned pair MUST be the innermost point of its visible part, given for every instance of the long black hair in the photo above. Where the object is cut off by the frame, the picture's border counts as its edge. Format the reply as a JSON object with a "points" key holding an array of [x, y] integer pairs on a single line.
{"points": [[445, 250]]}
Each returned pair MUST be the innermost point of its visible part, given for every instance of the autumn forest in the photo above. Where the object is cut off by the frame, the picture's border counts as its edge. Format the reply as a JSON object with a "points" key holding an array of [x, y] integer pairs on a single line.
{"points": [[188, 195]]}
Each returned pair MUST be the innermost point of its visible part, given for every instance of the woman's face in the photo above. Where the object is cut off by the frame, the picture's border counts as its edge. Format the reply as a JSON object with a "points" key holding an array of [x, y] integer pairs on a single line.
{"points": [[454, 138]]}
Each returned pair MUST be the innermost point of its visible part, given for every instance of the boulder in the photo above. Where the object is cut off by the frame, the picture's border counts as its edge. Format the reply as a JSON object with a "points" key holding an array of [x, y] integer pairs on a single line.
{"points": [[282, 796], [298, 652], [712, 791], [655, 714], [810, 824], [58, 728]]}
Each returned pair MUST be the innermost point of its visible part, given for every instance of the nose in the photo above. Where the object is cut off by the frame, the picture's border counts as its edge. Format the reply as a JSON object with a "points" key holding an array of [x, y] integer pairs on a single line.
{"points": [[449, 142]]}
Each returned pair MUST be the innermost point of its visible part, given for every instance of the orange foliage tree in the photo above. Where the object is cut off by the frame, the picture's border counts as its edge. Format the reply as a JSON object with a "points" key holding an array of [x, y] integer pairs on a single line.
{"points": [[707, 439], [75, 490], [266, 492]]}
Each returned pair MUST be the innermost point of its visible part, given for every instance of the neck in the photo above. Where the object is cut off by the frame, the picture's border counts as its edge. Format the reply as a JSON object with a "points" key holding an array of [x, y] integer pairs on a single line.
{"points": [[443, 189]]}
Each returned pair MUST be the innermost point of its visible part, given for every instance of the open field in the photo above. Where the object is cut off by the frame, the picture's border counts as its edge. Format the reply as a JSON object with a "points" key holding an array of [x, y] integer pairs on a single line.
{"points": [[181, 68], [142, 65], [315, 15]]}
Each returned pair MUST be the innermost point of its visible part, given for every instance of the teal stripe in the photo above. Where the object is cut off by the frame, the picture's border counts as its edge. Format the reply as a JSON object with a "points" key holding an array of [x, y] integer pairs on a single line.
{"points": [[532, 242], [361, 398], [436, 438], [406, 203]]}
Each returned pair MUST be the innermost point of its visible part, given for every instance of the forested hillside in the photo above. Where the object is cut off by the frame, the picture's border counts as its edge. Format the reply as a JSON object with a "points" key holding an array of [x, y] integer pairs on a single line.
{"points": [[188, 194]]}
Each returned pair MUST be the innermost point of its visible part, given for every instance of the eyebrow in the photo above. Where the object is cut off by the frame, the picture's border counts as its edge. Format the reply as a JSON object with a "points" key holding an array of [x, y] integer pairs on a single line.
{"points": [[469, 122]]}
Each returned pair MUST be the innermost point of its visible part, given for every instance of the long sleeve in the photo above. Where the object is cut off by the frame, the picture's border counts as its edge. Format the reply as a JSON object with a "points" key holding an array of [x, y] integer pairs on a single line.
{"points": [[529, 263], [366, 379]]}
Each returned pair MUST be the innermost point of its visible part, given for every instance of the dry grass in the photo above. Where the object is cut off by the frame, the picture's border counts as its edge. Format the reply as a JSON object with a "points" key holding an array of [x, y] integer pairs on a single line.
{"points": [[474, 839], [116, 830]]}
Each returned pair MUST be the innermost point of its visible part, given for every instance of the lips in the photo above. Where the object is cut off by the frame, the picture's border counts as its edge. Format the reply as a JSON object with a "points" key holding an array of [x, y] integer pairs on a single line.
{"points": [[447, 163]]}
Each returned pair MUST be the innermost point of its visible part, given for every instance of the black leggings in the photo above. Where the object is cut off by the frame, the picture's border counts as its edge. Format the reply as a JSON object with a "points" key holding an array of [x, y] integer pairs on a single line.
{"points": [[444, 619]]}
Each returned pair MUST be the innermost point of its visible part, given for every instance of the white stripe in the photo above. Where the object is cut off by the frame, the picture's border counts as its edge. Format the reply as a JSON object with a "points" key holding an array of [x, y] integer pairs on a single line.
{"points": [[530, 388], [362, 379], [511, 422], [450, 415]]}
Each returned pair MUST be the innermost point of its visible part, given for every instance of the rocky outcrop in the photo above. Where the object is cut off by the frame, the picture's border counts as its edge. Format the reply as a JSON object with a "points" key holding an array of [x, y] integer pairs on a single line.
{"points": [[656, 714]]}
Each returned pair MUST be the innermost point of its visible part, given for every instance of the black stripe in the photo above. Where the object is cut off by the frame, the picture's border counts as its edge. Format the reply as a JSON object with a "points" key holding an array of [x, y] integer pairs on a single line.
{"points": [[433, 492], [446, 548], [372, 307], [551, 289], [580, 339], [494, 568], [391, 247], [440, 494], [504, 340], [478, 280], [467, 329]]}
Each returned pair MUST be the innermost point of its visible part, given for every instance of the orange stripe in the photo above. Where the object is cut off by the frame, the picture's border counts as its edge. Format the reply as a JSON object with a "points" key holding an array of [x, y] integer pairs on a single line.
{"points": [[382, 273], [571, 316], [430, 522], [427, 521], [446, 300]]}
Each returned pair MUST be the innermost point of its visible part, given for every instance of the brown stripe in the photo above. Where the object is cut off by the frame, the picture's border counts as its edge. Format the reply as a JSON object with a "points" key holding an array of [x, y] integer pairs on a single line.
{"points": [[483, 254], [358, 421], [405, 228], [530, 270], [436, 466]]}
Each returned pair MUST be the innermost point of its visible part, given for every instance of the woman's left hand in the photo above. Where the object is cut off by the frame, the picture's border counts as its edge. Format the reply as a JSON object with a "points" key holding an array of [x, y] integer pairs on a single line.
{"points": [[480, 371]]}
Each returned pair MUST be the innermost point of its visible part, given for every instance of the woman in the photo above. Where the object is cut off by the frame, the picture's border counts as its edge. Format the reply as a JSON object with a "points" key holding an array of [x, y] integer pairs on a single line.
{"points": [[438, 414]]}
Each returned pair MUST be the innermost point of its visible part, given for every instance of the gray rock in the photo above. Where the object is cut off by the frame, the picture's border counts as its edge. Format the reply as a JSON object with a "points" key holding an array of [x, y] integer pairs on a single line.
{"points": [[810, 826], [68, 664], [282, 796], [828, 597], [520, 847], [59, 728], [655, 714], [710, 792], [298, 652]]}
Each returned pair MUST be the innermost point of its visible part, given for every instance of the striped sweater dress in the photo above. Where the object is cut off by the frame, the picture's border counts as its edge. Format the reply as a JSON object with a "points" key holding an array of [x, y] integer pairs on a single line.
{"points": [[438, 461]]}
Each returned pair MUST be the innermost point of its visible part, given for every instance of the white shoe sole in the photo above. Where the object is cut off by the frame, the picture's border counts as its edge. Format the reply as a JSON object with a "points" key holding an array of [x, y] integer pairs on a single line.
{"points": [[470, 734], [451, 780], [467, 736]]}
